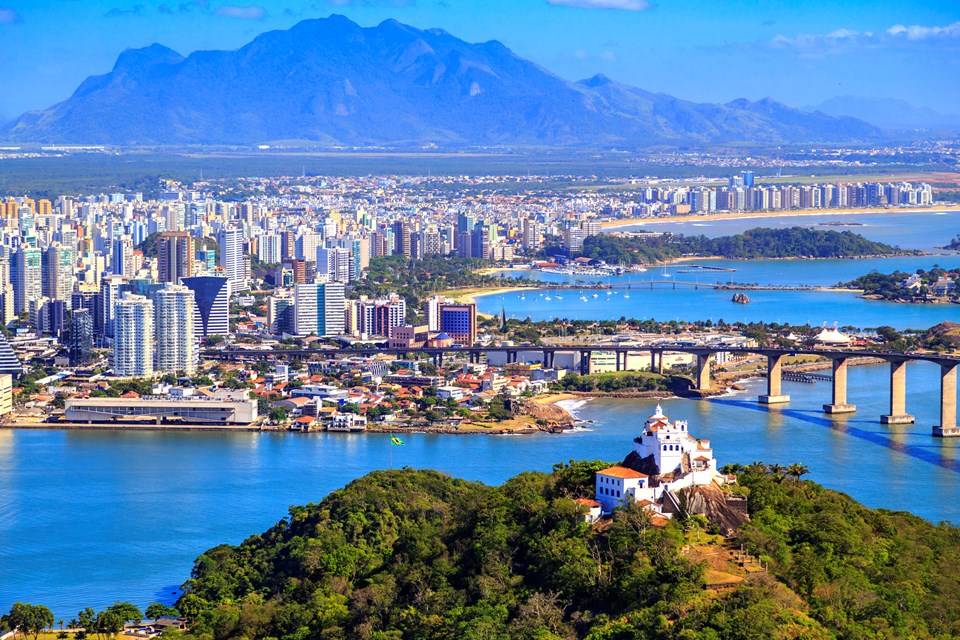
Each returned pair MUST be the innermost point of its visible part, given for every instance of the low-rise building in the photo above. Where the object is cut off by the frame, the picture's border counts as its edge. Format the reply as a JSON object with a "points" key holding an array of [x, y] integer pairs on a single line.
{"points": [[219, 410], [347, 422]]}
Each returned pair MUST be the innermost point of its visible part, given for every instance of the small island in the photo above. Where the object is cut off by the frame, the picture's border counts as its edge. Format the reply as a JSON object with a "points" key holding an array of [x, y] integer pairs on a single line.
{"points": [[753, 244], [923, 286]]}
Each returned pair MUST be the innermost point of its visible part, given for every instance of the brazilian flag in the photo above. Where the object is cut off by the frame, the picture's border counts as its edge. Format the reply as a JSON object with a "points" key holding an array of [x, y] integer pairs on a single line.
{"points": [[396, 441]]}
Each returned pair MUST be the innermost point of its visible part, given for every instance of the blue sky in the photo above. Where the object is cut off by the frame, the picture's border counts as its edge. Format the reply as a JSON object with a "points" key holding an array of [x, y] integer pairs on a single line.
{"points": [[800, 52]]}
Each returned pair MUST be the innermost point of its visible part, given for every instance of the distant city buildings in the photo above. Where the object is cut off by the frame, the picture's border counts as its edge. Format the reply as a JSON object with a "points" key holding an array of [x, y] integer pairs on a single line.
{"points": [[80, 271]]}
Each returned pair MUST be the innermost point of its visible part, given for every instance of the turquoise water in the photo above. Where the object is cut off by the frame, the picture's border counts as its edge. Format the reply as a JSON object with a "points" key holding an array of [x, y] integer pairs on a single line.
{"points": [[87, 518], [90, 517], [918, 230]]}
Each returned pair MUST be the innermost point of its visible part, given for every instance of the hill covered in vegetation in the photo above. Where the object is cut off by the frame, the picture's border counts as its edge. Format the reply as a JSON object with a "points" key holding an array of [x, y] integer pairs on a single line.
{"points": [[760, 242], [420, 555]]}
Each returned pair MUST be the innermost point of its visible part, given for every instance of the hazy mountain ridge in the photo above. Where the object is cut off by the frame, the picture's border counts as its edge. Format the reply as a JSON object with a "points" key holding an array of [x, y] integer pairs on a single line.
{"points": [[888, 113], [334, 82]]}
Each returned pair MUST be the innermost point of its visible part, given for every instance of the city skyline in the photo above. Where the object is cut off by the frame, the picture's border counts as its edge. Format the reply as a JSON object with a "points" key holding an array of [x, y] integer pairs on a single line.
{"points": [[691, 52]]}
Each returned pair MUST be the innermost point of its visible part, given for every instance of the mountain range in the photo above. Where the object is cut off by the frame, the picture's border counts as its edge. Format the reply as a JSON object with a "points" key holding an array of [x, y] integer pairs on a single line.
{"points": [[889, 113], [332, 82]]}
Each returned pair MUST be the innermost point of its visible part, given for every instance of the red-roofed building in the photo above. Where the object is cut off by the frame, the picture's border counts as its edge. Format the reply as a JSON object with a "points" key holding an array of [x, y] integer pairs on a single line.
{"points": [[617, 486]]}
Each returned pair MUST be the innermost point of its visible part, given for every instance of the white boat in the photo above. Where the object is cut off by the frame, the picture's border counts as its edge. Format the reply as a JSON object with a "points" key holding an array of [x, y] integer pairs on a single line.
{"points": [[626, 295], [559, 297], [596, 295], [548, 298], [584, 298]]}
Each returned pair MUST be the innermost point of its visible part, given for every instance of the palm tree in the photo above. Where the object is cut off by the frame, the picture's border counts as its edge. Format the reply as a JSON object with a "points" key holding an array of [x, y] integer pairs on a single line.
{"points": [[777, 470], [756, 467], [731, 469], [796, 470]]}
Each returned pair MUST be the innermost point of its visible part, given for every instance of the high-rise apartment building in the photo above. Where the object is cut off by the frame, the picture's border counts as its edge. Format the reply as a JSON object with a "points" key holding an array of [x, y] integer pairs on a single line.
{"points": [[319, 309], [401, 237], [133, 344], [269, 248], [377, 317], [231, 257], [111, 289], [280, 314], [336, 264], [174, 311], [121, 260], [175, 253], [58, 272], [27, 277]]}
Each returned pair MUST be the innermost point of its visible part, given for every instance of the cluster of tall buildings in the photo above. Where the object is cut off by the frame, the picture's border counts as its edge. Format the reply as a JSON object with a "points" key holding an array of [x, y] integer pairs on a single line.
{"points": [[110, 270], [743, 194]]}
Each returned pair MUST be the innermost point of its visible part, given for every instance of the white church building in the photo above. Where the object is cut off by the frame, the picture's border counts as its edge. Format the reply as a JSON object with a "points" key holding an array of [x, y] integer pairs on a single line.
{"points": [[682, 461]]}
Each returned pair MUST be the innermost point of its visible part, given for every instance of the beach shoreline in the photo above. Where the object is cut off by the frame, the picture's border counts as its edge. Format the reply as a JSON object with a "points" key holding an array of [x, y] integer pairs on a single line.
{"points": [[759, 215]]}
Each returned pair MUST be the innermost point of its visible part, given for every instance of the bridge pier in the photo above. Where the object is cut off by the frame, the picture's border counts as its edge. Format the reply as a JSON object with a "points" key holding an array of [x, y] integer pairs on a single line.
{"points": [[774, 394], [618, 355], [585, 362], [839, 404], [948, 403], [898, 395], [548, 359], [703, 371]]}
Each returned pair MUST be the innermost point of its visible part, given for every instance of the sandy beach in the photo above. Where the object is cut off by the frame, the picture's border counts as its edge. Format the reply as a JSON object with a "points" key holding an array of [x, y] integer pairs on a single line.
{"points": [[613, 224], [469, 295]]}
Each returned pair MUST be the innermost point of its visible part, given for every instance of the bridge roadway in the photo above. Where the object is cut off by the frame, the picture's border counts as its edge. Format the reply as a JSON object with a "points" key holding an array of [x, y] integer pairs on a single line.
{"points": [[704, 354]]}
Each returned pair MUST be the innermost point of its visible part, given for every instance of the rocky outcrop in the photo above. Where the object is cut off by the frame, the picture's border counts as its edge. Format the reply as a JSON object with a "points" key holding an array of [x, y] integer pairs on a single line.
{"points": [[646, 465], [720, 508]]}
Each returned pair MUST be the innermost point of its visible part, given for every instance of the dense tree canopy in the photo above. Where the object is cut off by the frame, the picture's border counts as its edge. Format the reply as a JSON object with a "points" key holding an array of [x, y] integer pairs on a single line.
{"points": [[417, 554], [795, 242]]}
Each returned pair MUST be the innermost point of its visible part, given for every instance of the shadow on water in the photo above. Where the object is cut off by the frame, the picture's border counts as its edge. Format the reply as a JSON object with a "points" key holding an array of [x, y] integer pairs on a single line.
{"points": [[919, 453], [168, 595]]}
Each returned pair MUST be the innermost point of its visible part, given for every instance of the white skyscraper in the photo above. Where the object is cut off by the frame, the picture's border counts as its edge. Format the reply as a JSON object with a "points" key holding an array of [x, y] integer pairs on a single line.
{"points": [[133, 336], [305, 311], [176, 348], [335, 264], [319, 309], [268, 248], [231, 257]]}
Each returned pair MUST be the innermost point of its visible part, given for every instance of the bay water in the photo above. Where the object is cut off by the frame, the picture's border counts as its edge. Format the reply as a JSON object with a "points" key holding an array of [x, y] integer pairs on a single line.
{"points": [[89, 517]]}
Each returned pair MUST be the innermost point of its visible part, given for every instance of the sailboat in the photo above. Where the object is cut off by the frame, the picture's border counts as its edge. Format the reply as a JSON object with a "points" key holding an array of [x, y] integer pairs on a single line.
{"points": [[665, 274]]}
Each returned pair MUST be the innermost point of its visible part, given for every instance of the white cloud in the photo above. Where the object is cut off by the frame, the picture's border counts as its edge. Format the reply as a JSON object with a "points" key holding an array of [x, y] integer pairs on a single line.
{"points": [[251, 12], [8, 16], [834, 40], [623, 5], [840, 34], [807, 40], [916, 32]]}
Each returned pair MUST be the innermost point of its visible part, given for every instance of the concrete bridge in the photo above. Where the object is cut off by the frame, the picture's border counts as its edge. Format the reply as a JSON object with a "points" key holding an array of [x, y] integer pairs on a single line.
{"points": [[704, 355]]}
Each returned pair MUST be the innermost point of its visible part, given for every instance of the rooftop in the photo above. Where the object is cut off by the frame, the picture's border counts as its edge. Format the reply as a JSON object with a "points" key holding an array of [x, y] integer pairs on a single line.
{"points": [[621, 472]]}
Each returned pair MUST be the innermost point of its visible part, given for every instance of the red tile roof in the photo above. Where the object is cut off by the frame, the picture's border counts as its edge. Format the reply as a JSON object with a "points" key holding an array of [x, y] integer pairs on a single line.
{"points": [[622, 472]]}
